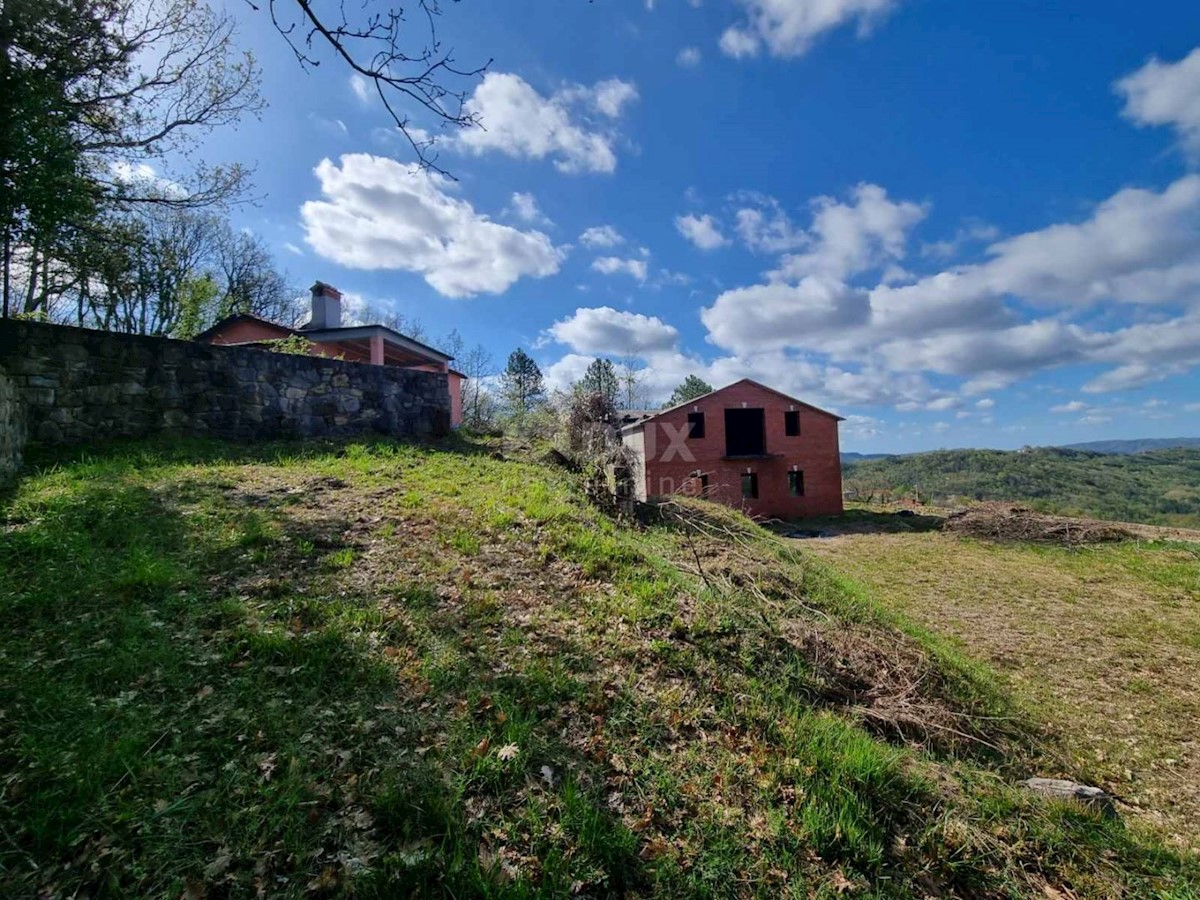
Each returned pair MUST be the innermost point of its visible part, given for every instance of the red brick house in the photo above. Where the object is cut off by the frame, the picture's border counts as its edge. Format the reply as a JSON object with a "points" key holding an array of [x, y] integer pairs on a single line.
{"points": [[745, 445], [375, 344]]}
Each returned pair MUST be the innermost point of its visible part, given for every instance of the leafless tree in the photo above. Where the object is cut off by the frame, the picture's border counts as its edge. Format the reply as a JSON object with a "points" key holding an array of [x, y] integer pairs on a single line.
{"points": [[250, 280], [172, 73], [452, 343], [480, 406], [375, 314], [633, 391]]}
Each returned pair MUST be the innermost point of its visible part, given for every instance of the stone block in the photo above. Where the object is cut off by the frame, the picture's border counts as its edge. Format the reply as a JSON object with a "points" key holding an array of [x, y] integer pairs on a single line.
{"points": [[50, 432]]}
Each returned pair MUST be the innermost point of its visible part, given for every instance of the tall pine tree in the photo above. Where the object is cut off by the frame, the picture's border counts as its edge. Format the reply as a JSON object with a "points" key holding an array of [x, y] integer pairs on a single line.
{"points": [[691, 388], [600, 378], [521, 383]]}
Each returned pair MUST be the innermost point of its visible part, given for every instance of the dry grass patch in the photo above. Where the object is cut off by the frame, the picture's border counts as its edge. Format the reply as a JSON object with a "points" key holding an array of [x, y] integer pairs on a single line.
{"points": [[1105, 639]]}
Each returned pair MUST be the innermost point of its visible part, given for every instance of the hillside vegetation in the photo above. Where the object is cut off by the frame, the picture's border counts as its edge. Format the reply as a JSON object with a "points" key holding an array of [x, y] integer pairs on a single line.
{"points": [[1160, 487], [388, 671], [1137, 445]]}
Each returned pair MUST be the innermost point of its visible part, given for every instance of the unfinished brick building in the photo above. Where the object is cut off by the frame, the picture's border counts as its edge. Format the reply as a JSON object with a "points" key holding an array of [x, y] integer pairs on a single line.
{"points": [[745, 445]]}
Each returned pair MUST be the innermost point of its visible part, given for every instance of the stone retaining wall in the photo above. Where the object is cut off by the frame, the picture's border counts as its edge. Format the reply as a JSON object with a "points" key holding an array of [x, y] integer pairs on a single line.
{"points": [[12, 428], [74, 386]]}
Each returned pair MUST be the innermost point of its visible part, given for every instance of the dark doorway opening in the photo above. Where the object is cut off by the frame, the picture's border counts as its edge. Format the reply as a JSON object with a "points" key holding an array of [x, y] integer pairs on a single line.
{"points": [[744, 433], [796, 483], [750, 486]]}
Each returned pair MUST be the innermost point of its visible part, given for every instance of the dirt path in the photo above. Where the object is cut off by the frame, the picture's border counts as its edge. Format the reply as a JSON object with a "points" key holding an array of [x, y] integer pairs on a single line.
{"points": [[1105, 640]]}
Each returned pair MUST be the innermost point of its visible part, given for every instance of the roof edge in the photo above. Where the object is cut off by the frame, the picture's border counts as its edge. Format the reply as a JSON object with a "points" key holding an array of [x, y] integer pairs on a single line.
{"points": [[316, 334], [239, 317], [757, 384]]}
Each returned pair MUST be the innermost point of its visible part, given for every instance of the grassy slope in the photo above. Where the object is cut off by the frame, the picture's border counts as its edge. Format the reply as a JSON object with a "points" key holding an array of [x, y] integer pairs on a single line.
{"points": [[1105, 640], [389, 670], [1162, 487]]}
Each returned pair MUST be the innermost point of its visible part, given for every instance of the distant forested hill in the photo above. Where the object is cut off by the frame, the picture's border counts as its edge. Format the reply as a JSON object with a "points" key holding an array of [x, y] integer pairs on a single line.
{"points": [[1138, 446], [851, 456], [1160, 487]]}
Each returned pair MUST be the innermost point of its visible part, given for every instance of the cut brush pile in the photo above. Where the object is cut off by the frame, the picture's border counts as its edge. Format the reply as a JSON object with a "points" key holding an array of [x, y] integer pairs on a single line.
{"points": [[1005, 522]]}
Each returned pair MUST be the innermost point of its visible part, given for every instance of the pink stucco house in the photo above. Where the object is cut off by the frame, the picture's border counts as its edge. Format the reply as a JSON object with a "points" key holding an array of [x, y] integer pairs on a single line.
{"points": [[745, 445], [374, 344]]}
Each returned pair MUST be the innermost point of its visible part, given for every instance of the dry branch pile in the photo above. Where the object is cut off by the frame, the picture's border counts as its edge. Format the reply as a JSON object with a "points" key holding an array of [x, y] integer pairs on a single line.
{"points": [[1005, 522], [879, 676]]}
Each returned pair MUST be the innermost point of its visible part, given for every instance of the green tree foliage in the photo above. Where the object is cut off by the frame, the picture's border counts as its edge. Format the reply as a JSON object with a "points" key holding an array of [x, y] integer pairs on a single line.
{"points": [[43, 178], [98, 98], [196, 297], [689, 389], [293, 345], [600, 378], [521, 383], [1159, 487]]}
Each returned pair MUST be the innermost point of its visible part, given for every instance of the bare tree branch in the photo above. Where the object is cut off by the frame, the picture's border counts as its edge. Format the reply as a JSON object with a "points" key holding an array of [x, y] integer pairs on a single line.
{"points": [[423, 76]]}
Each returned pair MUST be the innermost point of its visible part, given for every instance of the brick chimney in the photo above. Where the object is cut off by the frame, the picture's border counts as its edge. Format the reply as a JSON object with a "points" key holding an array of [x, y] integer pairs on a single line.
{"points": [[326, 307]]}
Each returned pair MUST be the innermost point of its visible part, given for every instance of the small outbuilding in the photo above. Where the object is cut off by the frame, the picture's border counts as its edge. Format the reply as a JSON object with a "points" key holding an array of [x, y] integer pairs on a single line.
{"points": [[326, 336], [745, 445]]}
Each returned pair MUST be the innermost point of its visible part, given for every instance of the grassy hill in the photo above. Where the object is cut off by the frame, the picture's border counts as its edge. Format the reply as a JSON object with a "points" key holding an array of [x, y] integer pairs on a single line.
{"points": [[388, 670], [1160, 487]]}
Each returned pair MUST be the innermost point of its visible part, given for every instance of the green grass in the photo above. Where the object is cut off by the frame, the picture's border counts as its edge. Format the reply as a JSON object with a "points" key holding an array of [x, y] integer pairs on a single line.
{"points": [[391, 670]]}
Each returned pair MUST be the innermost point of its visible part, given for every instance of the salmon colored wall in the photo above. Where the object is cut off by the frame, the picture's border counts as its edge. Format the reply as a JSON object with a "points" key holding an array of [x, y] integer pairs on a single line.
{"points": [[456, 409], [456, 380], [669, 466], [247, 331]]}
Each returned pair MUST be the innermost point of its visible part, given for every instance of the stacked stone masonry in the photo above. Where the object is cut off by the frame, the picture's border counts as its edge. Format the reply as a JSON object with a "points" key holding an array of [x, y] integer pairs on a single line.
{"points": [[12, 428], [63, 385]]}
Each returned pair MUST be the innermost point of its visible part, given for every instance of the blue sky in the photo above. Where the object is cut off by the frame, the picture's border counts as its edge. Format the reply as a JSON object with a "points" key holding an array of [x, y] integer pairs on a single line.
{"points": [[955, 224]]}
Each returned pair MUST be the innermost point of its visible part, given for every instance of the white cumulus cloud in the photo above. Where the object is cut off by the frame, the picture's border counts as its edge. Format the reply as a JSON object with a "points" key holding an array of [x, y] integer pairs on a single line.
{"points": [[1135, 258], [614, 265], [703, 231], [601, 236], [518, 121], [361, 87], [787, 28], [525, 207], [612, 96], [379, 214], [1164, 93], [1073, 406], [604, 331], [777, 315], [847, 238], [765, 227]]}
